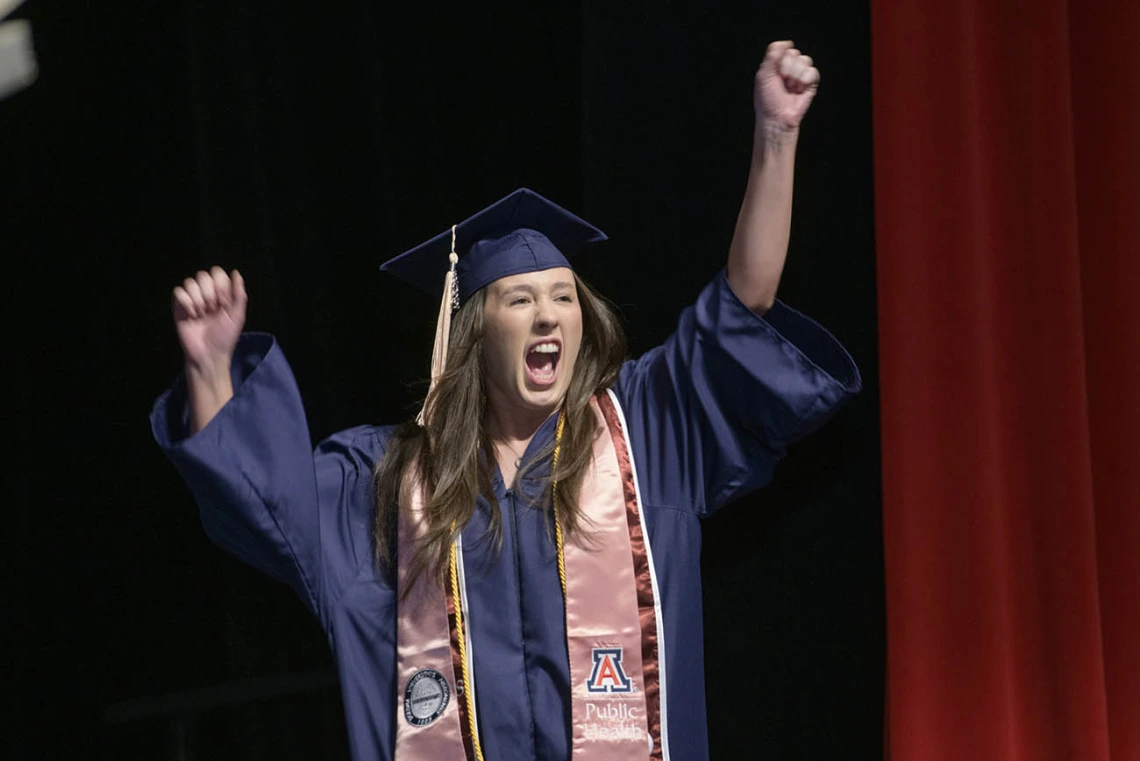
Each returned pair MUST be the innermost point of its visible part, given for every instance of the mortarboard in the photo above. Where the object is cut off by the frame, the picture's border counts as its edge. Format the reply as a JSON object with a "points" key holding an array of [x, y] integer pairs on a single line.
{"points": [[522, 232]]}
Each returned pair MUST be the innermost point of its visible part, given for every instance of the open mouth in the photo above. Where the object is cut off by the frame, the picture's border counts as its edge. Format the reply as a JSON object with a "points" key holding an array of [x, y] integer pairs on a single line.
{"points": [[542, 362]]}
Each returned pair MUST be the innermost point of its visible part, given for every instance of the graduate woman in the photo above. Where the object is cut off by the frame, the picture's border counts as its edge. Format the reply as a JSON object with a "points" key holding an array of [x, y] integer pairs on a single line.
{"points": [[514, 575]]}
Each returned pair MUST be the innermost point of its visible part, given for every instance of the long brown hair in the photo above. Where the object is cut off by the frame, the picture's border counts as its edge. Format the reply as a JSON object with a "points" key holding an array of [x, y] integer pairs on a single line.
{"points": [[453, 458]]}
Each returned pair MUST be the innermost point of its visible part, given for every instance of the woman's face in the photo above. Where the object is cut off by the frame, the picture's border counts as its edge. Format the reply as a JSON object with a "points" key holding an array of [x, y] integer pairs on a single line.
{"points": [[532, 329]]}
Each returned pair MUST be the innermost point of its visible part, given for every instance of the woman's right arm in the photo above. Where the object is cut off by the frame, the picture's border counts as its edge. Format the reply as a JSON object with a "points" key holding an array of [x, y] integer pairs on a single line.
{"points": [[209, 313], [234, 427]]}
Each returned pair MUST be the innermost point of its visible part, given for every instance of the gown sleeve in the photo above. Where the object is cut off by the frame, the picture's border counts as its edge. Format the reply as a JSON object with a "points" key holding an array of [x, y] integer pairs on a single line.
{"points": [[263, 494], [713, 409]]}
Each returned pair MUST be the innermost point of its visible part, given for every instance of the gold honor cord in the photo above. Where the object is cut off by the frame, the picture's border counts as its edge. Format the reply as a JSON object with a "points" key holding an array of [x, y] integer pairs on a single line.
{"points": [[554, 505], [468, 693], [453, 570]]}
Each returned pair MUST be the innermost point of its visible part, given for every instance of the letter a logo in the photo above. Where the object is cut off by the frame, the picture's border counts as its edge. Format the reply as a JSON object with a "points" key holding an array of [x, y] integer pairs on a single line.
{"points": [[608, 675]]}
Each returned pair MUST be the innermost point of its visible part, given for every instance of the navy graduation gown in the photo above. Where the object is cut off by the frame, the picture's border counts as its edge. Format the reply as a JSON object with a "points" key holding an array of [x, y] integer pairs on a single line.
{"points": [[709, 413]]}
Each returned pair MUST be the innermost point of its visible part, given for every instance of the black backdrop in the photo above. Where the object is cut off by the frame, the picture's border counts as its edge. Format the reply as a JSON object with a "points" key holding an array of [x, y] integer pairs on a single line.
{"points": [[306, 143]]}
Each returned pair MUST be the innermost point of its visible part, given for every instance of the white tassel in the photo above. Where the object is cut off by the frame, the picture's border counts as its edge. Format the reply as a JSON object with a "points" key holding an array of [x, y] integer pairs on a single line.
{"points": [[448, 304]]}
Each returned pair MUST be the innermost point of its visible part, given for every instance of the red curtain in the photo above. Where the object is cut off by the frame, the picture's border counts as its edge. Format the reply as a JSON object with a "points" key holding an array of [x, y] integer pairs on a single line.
{"points": [[1007, 182]]}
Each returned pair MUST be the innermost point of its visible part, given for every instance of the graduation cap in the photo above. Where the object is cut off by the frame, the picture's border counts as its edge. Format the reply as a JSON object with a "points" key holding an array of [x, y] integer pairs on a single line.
{"points": [[522, 232]]}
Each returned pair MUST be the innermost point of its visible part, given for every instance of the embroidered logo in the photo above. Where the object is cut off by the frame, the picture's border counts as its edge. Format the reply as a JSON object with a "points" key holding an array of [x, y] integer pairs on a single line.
{"points": [[608, 674], [425, 697]]}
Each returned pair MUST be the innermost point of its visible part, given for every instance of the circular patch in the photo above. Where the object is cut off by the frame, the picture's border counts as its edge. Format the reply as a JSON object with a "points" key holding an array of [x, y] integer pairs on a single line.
{"points": [[425, 697]]}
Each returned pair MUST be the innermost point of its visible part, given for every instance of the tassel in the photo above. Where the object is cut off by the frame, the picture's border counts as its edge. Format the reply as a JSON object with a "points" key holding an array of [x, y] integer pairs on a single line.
{"points": [[448, 304]]}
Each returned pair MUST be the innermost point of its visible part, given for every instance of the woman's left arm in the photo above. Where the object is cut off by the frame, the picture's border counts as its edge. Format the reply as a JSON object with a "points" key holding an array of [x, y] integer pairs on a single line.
{"points": [[744, 376], [785, 85]]}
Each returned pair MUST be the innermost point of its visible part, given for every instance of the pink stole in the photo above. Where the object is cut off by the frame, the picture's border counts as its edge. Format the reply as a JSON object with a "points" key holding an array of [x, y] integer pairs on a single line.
{"points": [[611, 627], [428, 724]]}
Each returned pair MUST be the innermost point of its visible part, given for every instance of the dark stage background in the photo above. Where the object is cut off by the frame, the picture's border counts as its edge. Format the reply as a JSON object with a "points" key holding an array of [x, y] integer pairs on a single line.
{"points": [[304, 145]]}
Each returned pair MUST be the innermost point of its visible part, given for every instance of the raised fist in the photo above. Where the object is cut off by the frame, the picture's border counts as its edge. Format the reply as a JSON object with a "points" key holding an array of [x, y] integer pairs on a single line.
{"points": [[784, 87], [209, 313]]}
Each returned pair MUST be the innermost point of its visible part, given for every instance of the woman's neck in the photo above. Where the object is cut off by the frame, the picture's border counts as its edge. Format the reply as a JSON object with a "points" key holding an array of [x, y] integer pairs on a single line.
{"points": [[511, 431], [514, 426]]}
